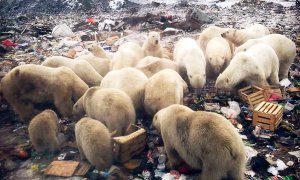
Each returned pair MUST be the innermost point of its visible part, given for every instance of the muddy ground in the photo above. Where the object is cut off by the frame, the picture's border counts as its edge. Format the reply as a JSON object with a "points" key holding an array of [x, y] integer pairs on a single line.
{"points": [[29, 25]]}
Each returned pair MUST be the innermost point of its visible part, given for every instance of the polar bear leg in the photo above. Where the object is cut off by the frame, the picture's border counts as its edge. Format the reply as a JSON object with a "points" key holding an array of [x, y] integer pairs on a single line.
{"points": [[284, 70], [173, 157], [64, 104], [274, 79]]}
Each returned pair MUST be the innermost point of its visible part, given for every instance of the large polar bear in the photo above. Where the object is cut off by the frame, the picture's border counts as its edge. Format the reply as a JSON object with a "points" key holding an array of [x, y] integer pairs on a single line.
{"points": [[128, 55], [203, 140], [259, 65], [239, 37], [112, 107], [130, 80], [163, 89], [82, 68], [94, 143], [151, 65], [191, 61], [43, 130], [209, 33], [152, 46], [218, 56], [29, 88], [283, 47]]}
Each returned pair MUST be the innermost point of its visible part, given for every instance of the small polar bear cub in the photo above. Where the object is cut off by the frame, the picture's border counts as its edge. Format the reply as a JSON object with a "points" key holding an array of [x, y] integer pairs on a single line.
{"points": [[239, 37], [191, 61], [152, 46], [283, 47], [259, 66], [43, 130]]}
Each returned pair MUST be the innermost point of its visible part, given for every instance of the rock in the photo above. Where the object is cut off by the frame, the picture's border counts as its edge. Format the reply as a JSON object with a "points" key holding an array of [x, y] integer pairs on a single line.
{"points": [[198, 16], [10, 165]]}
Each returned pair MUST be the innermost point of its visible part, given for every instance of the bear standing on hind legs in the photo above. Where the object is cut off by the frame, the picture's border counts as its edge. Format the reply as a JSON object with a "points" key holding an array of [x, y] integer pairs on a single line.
{"points": [[152, 46], [203, 140]]}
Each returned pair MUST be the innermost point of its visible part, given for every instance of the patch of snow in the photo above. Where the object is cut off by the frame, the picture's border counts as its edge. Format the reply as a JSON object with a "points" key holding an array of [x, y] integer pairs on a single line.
{"points": [[116, 4], [284, 3]]}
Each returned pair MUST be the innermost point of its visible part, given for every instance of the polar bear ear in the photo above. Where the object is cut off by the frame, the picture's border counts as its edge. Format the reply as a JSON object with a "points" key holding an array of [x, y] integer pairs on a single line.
{"points": [[227, 80]]}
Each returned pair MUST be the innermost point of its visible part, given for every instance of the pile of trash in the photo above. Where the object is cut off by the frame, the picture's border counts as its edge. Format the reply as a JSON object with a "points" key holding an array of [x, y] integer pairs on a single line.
{"points": [[24, 38]]}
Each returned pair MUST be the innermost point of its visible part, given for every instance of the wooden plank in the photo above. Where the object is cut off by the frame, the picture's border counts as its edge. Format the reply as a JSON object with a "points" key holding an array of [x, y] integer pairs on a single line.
{"points": [[268, 108], [264, 107], [82, 169], [256, 102], [259, 106], [264, 126], [258, 88], [277, 109], [256, 94], [271, 110], [263, 120], [62, 168], [263, 115], [261, 96]]}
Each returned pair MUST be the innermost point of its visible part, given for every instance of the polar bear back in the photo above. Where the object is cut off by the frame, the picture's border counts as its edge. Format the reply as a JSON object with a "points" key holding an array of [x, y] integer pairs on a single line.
{"points": [[128, 55], [132, 81], [163, 89]]}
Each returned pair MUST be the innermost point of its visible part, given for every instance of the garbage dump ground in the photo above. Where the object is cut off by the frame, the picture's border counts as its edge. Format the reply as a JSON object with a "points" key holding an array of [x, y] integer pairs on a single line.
{"points": [[26, 36]]}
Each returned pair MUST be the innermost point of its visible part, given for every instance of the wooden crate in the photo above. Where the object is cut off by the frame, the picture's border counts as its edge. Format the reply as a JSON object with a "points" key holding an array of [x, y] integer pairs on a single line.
{"points": [[267, 115], [252, 95], [125, 147]]}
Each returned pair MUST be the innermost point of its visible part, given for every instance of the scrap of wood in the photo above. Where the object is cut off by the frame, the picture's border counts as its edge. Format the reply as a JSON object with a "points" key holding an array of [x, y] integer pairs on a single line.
{"points": [[62, 168], [82, 169]]}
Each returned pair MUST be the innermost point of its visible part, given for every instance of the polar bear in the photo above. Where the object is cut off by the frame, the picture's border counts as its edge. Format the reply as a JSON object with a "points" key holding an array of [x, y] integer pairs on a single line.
{"points": [[43, 130], [218, 56], [209, 33], [82, 68], [98, 51], [130, 80], [94, 143], [191, 61], [151, 65], [112, 107], [152, 46], [163, 89], [99, 64], [239, 37], [29, 88], [128, 55], [259, 66], [203, 140], [284, 48]]}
